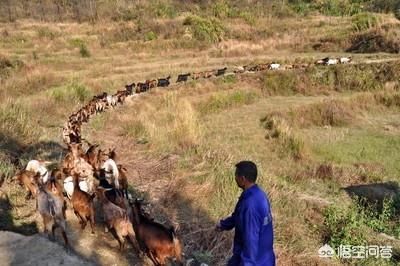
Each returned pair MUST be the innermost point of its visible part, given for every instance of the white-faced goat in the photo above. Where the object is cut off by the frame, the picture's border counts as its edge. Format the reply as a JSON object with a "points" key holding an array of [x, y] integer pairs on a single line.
{"points": [[111, 172], [69, 186], [38, 167]]}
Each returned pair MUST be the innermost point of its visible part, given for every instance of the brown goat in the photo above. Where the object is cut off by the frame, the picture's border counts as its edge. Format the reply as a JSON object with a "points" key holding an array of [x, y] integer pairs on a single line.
{"points": [[117, 218], [82, 204], [123, 180], [29, 180], [152, 83], [156, 241]]}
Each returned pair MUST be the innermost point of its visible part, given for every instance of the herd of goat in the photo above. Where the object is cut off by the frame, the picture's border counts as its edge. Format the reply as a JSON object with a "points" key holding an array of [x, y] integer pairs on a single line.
{"points": [[86, 175]]}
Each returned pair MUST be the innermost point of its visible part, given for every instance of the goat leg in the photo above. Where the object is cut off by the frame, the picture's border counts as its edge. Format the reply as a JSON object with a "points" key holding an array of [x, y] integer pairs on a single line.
{"points": [[84, 223], [28, 195], [91, 221], [152, 258], [64, 235], [121, 241], [79, 217]]}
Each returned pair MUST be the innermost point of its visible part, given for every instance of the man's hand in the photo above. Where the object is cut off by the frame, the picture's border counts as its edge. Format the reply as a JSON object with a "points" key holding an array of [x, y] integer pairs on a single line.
{"points": [[218, 227]]}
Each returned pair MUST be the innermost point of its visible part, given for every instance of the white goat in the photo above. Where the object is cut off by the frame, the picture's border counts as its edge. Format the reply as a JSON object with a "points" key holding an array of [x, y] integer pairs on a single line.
{"points": [[331, 61], [112, 100], [111, 171], [38, 167], [345, 60], [69, 186], [274, 66]]}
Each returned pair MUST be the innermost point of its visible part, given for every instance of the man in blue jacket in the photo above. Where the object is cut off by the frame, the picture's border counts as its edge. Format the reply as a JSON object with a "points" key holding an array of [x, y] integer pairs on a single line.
{"points": [[252, 220]]}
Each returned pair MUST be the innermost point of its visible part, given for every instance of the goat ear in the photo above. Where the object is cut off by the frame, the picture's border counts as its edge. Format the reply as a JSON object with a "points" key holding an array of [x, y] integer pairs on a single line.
{"points": [[53, 188]]}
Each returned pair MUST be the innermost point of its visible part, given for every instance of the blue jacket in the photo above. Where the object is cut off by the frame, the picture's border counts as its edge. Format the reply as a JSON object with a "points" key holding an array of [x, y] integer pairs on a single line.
{"points": [[254, 237]]}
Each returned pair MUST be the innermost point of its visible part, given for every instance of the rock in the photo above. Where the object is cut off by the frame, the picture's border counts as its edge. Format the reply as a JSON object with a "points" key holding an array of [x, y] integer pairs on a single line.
{"points": [[17, 249]]}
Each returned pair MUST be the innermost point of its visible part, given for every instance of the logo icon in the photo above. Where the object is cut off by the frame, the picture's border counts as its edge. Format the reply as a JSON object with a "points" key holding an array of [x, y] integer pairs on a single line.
{"points": [[326, 251]]}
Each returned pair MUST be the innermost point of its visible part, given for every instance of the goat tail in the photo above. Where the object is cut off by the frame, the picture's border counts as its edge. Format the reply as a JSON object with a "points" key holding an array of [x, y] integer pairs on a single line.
{"points": [[92, 196], [178, 249], [177, 245]]}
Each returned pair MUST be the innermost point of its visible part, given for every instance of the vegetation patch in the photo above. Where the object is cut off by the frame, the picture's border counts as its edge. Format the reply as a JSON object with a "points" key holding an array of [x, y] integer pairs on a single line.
{"points": [[17, 123], [278, 128], [223, 100], [45, 32], [71, 93], [350, 225], [205, 29], [383, 39], [364, 21]]}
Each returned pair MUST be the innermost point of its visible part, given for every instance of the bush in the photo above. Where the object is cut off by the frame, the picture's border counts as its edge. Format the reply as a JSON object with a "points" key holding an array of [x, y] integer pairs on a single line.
{"points": [[343, 226], [76, 42], [220, 9], [364, 21], [162, 10], [150, 36], [208, 30], [84, 51], [346, 226]]}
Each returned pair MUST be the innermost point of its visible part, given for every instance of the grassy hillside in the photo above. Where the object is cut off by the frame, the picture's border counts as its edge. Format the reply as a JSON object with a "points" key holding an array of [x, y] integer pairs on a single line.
{"points": [[319, 135]]}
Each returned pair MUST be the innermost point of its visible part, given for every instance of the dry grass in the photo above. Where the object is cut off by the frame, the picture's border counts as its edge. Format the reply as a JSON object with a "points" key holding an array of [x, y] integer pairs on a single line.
{"points": [[210, 124]]}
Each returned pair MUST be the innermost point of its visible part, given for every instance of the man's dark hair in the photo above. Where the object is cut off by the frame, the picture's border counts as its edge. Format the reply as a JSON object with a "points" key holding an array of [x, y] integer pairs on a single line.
{"points": [[248, 169]]}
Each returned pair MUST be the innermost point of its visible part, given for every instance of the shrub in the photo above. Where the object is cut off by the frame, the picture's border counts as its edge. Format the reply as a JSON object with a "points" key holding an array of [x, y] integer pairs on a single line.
{"points": [[364, 21], [346, 226], [220, 9], [208, 30], [76, 42], [343, 226], [162, 10], [150, 36], [84, 51]]}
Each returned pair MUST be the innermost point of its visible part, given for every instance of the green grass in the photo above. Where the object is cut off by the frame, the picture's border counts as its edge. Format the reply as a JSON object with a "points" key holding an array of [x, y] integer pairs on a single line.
{"points": [[224, 100], [71, 93], [365, 146], [18, 123], [6, 169], [135, 129], [204, 29], [352, 225]]}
